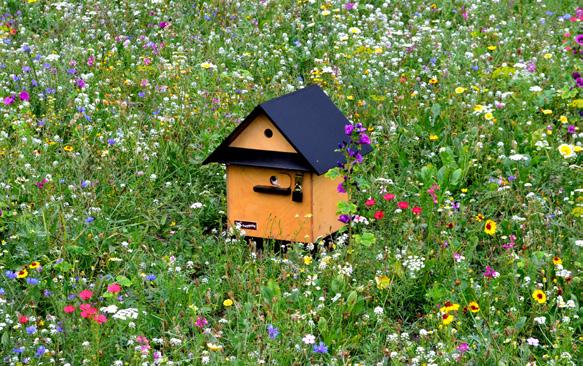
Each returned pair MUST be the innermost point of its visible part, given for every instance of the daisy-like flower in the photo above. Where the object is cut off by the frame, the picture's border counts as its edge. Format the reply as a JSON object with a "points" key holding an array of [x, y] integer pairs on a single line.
{"points": [[449, 306], [309, 339], [539, 296], [474, 307], [23, 273], [490, 227], [382, 281], [34, 265], [460, 90], [68, 148], [228, 303], [447, 318], [557, 261], [567, 151]]}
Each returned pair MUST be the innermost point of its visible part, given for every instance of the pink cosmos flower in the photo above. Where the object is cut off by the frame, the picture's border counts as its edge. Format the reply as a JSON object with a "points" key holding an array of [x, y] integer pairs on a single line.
{"points": [[85, 294], [403, 205], [69, 309], [100, 319], [114, 288]]}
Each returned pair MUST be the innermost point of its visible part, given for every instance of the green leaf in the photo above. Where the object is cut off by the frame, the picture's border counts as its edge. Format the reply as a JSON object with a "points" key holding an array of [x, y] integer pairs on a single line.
{"points": [[123, 280], [323, 325], [456, 177], [346, 208], [365, 239], [333, 173], [435, 110]]}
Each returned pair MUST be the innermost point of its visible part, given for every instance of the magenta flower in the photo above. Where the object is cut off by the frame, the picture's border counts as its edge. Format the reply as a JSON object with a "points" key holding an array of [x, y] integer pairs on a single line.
{"points": [[344, 219], [579, 39], [348, 129], [80, 83], [201, 322], [24, 96], [364, 139], [463, 348], [349, 6], [340, 188], [9, 100], [490, 272]]}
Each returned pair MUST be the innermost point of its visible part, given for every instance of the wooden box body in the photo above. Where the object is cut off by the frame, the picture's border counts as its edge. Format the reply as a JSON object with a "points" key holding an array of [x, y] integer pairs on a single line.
{"points": [[277, 216]]}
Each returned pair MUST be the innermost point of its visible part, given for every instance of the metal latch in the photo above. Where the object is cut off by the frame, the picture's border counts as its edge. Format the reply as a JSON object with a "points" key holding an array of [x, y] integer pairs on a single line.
{"points": [[298, 193]]}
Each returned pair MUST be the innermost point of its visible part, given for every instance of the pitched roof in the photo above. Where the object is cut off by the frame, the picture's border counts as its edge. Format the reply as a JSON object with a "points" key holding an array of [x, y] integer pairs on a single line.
{"points": [[310, 122]]}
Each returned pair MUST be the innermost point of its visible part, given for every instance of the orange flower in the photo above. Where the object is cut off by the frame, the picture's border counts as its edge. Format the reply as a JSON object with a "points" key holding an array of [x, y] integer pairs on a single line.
{"points": [[447, 318], [474, 307], [557, 261]]}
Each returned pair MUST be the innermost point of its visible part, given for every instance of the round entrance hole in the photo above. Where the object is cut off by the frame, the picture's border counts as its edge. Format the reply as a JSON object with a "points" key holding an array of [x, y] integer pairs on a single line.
{"points": [[268, 133], [273, 180]]}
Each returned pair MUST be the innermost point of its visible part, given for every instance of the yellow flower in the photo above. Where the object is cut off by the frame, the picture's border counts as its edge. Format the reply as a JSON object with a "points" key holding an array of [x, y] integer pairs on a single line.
{"points": [[464, 190], [207, 65], [478, 108], [68, 148], [23, 273], [378, 50], [433, 137], [557, 261], [491, 48], [34, 265], [448, 306], [382, 281], [473, 307], [193, 308], [460, 90], [490, 227], [479, 217], [567, 151], [214, 347], [539, 296], [433, 81], [228, 303], [307, 260], [547, 111], [326, 12], [32, 1], [447, 318], [547, 56], [489, 116], [563, 119], [353, 30]]}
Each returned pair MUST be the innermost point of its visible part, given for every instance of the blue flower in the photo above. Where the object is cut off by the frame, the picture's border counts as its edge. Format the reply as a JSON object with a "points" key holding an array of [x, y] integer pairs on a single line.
{"points": [[32, 281], [31, 329], [10, 275], [40, 351], [320, 348], [272, 331], [90, 219], [151, 277]]}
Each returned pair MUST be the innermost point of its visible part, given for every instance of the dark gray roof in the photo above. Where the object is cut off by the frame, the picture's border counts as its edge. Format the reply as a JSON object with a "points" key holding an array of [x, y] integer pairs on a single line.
{"points": [[310, 122]]}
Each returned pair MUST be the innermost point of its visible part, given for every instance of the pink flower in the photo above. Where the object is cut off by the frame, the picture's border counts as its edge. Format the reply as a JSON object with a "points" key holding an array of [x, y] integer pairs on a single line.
{"points": [[389, 197], [91, 61], [201, 322], [114, 288], [24, 96], [340, 188], [100, 319], [379, 215], [69, 309], [490, 272], [416, 210], [463, 348], [403, 205], [85, 294], [369, 202], [87, 311], [431, 192]]}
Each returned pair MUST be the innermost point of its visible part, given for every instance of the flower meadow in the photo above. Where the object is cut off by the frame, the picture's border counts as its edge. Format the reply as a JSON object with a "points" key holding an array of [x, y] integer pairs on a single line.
{"points": [[463, 240]]}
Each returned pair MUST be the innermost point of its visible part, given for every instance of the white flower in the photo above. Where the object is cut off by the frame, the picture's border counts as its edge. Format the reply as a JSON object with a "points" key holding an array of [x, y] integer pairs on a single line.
{"points": [[196, 205], [518, 157], [579, 243], [540, 320], [535, 89], [109, 309], [309, 339], [354, 30], [378, 310], [532, 342]]}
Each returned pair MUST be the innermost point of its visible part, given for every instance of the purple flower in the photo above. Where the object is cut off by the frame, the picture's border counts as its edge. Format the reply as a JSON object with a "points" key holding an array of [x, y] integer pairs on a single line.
{"points": [[85, 184], [531, 67], [10, 275], [348, 129], [571, 129], [364, 139], [111, 141], [576, 75], [579, 82], [163, 24], [511, 178], [31, 330], [151, 277], [463, 348], [8, 100], [340, 188], [579, 39], [344, 219], [80, 83], [320, 348], [272, 331], [490, 272], [90, 219], [349, 6]]}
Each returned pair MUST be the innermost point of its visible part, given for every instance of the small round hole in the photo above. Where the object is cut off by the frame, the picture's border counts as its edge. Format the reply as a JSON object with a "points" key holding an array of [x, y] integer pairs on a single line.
{"points": [[268, 133], [273, 180]]}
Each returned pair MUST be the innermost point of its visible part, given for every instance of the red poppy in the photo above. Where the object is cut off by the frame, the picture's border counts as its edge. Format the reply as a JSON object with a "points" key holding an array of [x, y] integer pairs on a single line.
{"points": [[403, 205], [379, 215], [369, 202], [416, 210], [23, 319]]}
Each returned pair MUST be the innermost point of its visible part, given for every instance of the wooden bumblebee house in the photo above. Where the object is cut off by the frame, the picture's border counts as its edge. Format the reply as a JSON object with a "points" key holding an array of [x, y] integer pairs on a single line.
{"points": [[275, 162]]}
